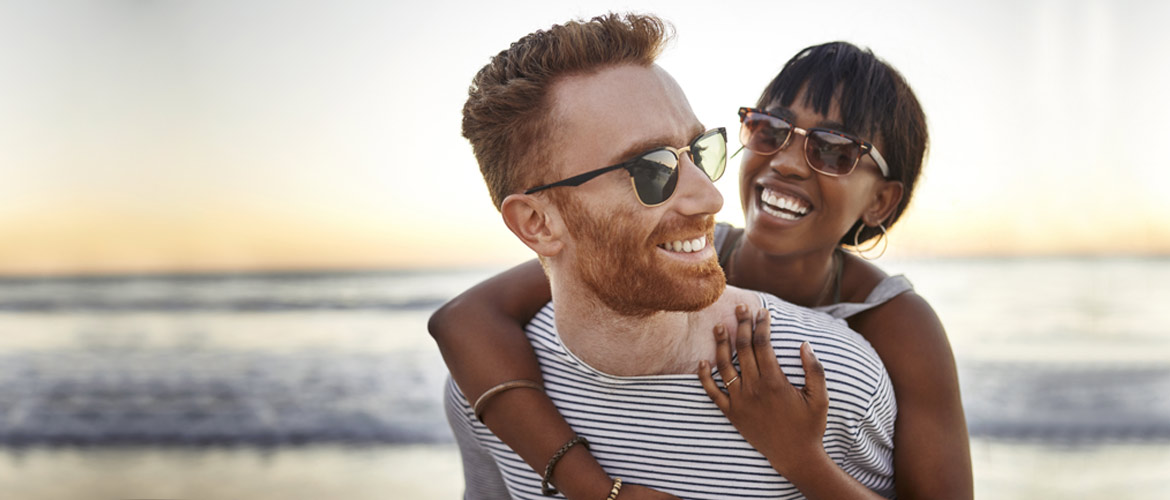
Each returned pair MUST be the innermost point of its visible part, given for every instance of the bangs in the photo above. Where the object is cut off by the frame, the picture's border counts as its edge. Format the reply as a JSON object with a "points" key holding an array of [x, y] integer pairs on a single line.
{"points": [[837, 70]]}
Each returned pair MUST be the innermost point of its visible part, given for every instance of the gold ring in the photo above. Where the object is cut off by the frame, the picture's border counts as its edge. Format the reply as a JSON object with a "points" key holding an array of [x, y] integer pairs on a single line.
{"points": [[732, 381]]}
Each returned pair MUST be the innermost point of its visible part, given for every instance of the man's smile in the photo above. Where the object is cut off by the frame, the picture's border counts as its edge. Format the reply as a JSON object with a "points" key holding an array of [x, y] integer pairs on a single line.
{"points": [[685, 246]]}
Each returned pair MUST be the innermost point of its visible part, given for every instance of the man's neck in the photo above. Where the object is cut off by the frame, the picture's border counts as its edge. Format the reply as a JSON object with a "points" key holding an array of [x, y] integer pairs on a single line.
{"points": [[662, 343]]}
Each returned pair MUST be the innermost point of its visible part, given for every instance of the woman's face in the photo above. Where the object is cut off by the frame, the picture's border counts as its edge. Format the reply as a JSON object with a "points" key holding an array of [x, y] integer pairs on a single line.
{"points": [[789, 208]]}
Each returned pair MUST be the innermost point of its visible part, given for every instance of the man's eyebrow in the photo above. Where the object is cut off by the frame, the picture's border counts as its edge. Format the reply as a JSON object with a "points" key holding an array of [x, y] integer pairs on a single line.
{"points": [[654, 143]]}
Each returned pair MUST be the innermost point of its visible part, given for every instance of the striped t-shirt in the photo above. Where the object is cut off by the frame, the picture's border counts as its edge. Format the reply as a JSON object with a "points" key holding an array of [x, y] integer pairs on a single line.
{"points": [[663, 431]]}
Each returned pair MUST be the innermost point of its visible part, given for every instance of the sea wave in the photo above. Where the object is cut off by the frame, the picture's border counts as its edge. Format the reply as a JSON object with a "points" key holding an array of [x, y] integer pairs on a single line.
{"points": [[214, 396]]}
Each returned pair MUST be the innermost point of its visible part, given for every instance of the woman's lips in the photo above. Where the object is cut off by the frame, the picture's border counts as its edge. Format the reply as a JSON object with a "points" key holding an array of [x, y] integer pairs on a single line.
{"points": [[783, 205]]}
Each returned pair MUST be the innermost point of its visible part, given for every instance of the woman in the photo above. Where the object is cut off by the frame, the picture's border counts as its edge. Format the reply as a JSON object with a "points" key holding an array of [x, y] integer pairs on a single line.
{"points": [[832, 151]]}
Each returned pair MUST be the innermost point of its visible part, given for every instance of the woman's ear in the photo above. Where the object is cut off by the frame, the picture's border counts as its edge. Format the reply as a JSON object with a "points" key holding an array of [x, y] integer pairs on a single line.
{"points": [[536, 222], [885, 201]]}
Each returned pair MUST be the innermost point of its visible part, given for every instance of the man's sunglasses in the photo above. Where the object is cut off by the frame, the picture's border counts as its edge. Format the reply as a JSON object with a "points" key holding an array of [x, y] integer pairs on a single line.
{"points": [[654, 173], [826, 151]]}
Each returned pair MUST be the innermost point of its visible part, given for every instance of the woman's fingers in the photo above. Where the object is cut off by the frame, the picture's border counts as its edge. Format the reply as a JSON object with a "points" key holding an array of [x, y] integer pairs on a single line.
{"points": [[744, 345], [713, 391], [814, 376], [723, 355], [762, 341], [723, 364]]}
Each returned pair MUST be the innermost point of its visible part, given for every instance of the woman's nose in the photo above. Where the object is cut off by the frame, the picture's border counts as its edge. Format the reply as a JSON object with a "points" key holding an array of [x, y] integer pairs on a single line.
{"points": [[789, 161]]}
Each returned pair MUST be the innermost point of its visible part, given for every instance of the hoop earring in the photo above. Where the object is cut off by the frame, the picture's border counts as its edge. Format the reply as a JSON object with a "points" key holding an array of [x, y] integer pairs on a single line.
{"points": [[884, 239]]}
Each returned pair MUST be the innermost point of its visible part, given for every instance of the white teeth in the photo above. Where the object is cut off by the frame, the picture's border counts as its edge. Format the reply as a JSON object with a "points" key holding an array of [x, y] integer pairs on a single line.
{"points": [[687, 246], [776, 213], [785, 202]]}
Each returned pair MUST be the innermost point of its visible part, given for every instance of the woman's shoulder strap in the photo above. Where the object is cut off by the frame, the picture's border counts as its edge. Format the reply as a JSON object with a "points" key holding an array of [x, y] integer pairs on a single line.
{"points": [[888, 288]]}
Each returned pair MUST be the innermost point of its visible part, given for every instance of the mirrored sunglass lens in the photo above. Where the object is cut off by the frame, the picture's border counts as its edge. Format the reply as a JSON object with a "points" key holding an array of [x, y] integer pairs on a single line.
{"points": [[831, 153], [655, 176], [763, 134], [709, 152]]}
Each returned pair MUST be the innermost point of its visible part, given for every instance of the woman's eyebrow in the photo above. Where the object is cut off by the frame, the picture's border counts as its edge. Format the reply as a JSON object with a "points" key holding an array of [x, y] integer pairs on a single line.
{"points": [[838, 126], [784, 113], [788, 115]]}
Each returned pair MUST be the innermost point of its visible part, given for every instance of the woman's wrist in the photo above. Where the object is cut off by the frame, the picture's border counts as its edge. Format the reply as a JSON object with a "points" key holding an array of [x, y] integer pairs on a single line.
{"points": [[579, 476], [804, 468]]}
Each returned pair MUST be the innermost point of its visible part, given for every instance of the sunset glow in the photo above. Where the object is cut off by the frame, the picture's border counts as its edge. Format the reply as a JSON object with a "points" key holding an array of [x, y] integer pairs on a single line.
{"points": [[220, 136]]}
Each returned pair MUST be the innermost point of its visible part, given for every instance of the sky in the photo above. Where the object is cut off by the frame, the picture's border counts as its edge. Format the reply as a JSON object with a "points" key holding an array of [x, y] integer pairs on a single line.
{"points": [[144, 136]]}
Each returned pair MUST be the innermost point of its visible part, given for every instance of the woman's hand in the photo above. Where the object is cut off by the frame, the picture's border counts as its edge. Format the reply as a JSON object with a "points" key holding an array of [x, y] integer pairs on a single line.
{"points": [[784, 423]]}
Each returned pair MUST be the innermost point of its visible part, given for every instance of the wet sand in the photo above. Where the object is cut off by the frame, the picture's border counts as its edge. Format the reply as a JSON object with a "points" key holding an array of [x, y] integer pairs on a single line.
{"points": [[1003, 471], [311, 472]]}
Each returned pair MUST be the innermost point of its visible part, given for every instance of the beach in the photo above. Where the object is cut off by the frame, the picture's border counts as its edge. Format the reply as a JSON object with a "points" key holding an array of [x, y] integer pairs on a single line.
{"points": [[326, 384]]}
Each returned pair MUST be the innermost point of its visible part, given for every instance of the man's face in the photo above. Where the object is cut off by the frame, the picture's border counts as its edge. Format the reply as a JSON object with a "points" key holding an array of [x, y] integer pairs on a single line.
{"points": [[632, 257]]}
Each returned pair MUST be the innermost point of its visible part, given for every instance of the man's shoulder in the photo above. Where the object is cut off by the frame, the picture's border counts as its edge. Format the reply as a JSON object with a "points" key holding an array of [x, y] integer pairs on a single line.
{"points": [[542, 333], [816, 321], [545, 318], [834, 342]]}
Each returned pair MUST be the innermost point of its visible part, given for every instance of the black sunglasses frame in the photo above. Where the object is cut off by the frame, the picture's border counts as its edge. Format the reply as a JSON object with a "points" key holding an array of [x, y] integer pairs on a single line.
{"points": [[633, 163]]}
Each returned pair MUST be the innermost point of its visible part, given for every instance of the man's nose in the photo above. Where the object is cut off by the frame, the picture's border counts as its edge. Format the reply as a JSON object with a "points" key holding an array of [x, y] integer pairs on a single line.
{"points": [[696, 192]]}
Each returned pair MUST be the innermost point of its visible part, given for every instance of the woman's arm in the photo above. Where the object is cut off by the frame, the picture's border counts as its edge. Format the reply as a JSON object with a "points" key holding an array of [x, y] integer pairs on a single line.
{"points": [[760, 393], [932, 457], [481, 336]]}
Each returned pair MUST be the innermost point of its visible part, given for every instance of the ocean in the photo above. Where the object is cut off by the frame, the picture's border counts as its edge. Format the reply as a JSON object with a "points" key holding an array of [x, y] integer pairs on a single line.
{"points": [[319, 385]]}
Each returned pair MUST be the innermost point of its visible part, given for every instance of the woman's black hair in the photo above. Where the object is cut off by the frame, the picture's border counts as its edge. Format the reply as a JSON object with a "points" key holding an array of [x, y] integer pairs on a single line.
{"points": [[875, 102]]}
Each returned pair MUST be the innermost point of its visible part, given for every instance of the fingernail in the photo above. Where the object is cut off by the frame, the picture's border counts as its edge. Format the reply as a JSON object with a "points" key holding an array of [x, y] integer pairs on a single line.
{"points": [[719, 331], [741, 309], [809, 347], [761, 314]]}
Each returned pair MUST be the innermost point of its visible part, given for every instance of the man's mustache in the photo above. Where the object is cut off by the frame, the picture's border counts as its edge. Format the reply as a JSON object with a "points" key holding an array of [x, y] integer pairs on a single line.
{"points": [[684, 228]]}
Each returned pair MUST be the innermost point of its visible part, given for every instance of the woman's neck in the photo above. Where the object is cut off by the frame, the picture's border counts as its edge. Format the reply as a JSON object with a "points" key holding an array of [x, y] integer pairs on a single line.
{"points": [[807, 279]]}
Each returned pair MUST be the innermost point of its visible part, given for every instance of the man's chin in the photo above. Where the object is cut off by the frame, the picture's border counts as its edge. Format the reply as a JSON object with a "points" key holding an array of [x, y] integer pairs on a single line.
{"points": [[702, 291], [683, 292]]}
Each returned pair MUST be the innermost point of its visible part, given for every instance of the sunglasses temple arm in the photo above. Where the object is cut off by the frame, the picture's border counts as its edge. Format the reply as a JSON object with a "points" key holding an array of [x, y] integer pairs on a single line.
{"points": [[737, 151]]}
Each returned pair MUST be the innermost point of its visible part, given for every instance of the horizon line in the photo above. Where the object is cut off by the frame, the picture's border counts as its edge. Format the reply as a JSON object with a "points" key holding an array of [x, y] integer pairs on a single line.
{"points": [[325, 270]]}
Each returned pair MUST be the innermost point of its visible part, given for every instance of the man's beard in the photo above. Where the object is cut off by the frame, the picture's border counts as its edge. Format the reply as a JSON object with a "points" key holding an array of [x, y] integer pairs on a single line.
{"points": [[628, 276]]}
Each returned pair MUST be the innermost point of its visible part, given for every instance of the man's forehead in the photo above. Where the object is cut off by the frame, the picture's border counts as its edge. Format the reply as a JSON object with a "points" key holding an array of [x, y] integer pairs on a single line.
{"points": [[620, 107]]}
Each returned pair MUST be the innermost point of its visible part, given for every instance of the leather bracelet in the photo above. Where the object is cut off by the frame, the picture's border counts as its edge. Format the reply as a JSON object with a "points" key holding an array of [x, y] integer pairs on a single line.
{"points": [[546, 487], [495, 391], [617, 487]]}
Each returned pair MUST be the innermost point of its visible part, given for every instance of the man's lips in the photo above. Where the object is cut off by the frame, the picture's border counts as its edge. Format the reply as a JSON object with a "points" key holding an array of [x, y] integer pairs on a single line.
{"points": [[685, 246]]}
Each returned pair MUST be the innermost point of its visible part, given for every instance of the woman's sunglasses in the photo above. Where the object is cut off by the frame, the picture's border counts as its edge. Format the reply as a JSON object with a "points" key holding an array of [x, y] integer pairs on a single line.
{"points": [[826, 151], [655, 172]]}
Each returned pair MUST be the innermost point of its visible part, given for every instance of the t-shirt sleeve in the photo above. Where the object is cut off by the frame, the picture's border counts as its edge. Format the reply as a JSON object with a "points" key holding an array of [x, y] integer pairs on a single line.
{"points": [[874, 441], [481, 475]]}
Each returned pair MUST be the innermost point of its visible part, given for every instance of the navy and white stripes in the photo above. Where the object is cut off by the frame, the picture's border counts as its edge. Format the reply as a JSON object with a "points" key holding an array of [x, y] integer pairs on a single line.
{"points": [[664, 432]]}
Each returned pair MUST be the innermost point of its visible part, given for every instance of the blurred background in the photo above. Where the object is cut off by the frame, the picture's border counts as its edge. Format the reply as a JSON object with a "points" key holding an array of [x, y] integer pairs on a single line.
{"points": [[223, 226]]}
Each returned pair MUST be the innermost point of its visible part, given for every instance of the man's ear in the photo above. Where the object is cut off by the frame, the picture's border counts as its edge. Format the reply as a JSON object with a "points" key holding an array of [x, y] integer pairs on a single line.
{"points": [[536, 222], [884, 202]]}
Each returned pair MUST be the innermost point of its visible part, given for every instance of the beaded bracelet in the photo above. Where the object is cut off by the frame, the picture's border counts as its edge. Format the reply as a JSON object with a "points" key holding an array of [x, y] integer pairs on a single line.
{"points": [[546, 487], [494, 391], [617, 487]]}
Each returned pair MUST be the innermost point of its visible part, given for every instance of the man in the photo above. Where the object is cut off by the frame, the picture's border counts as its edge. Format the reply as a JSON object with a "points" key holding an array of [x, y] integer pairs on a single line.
{"points": [[633, 275]]}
